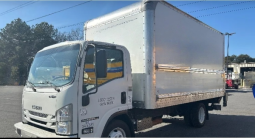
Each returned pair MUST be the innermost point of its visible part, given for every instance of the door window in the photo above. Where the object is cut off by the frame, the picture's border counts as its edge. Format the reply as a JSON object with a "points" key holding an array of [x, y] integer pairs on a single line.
{"points": [[114, 68]]}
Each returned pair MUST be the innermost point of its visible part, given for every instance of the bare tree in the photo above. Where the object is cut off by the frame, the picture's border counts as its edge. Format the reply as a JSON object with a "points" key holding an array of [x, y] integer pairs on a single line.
{"points": [[73, 35], [61, 37]]}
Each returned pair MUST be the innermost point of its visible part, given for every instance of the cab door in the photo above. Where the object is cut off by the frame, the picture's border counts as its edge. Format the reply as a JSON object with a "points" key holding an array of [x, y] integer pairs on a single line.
{"points": [[96, 103]]}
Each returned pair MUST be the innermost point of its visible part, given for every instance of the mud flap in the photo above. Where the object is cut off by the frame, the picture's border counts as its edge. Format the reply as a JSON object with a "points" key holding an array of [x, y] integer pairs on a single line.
{"points": [[225, 99], [207, 114]]}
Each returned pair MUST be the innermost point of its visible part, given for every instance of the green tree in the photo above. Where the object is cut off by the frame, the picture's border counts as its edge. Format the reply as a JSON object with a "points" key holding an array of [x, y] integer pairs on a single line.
{"points": [[241, 58], [18, 44], [231, 59], [14, 39], [3, 71], [44, 35]]}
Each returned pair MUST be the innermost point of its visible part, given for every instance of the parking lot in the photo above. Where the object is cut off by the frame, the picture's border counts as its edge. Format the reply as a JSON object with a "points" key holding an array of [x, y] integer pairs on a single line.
{"points": [[235, 120]]}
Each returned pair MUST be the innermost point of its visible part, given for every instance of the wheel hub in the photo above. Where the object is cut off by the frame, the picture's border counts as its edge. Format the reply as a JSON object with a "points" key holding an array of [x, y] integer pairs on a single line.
{"points": [[201, 115], [117, 133]]}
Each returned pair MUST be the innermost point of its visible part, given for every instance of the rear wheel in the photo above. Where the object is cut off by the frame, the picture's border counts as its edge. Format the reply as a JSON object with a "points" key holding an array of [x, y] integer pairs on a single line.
{"points": [[117, 129], [198, 115]]}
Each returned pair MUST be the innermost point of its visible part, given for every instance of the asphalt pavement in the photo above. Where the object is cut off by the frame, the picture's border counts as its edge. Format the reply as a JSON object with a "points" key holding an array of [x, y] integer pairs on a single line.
{"points": [[10, 109], [235, 120]]}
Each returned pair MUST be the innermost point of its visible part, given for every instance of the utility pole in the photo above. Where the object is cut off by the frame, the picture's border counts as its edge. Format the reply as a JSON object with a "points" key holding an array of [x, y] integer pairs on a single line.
{"points": [[225, 98], [229, 34]]}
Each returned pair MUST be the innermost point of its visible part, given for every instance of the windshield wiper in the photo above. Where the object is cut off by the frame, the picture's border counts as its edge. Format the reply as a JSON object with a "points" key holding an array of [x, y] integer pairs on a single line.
{"points": [[52, 84], [32, 85]]}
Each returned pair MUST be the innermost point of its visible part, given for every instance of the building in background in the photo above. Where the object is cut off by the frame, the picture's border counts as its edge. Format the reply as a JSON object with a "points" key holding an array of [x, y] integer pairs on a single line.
{"points": [[245, 72]]}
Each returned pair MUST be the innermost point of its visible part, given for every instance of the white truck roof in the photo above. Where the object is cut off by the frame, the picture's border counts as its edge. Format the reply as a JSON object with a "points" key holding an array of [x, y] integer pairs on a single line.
{"points": [[132, 9]]}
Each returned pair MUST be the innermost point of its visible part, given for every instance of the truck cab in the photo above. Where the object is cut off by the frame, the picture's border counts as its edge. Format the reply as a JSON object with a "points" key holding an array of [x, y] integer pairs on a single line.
{"points": [[74, 89]]}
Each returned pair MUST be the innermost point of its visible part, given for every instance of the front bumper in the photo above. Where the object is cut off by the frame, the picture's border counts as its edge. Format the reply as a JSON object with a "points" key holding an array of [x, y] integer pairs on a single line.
{"points": [[26, 130]]}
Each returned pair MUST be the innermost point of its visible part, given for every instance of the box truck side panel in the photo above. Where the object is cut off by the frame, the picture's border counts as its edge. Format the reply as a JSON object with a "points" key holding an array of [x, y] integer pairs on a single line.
{"points": [[124, 27], [188, 54]]}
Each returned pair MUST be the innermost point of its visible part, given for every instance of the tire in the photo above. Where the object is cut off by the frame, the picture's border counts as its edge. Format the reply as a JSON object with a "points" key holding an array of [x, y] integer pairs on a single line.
{"points": [[198, 115], [116, 128]]}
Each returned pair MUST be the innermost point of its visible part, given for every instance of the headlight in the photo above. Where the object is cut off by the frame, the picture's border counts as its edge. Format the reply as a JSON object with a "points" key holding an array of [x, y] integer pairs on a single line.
{"points": [[64, 120], [24, 121]]}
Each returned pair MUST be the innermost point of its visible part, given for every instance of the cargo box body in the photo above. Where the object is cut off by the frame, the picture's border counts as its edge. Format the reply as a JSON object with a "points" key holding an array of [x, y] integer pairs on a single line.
{"points": [[175, 58]]}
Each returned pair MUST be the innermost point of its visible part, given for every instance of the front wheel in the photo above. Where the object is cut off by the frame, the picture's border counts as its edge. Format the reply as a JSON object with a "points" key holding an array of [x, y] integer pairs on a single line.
{"points": [[117, 129], [198, 115]]}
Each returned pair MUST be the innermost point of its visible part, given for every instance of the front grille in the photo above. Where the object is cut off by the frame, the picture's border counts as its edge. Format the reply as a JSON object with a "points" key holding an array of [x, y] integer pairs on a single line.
{"points": [[38, 114], [37, 121], [43, 128], [40, 119]]}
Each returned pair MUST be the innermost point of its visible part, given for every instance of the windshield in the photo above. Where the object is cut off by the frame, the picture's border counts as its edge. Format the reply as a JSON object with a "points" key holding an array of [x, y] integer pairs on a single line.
{"points": [[54, 67]]}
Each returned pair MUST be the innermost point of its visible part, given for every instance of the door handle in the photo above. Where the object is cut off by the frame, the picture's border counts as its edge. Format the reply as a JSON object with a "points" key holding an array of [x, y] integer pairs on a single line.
{"points": [[123, 97]]}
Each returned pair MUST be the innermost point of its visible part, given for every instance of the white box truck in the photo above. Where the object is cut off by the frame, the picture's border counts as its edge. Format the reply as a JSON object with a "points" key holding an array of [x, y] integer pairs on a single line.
{"points": [[135, 65]]}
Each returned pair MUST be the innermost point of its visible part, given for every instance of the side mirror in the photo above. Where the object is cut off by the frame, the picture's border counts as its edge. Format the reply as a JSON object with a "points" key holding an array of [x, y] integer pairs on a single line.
{"points": [[101, 64]]}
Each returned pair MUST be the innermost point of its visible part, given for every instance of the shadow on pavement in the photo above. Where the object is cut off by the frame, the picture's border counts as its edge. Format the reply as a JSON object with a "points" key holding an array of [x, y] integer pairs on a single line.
{"points": [[238, 90], [230, 94], [217, 126]]}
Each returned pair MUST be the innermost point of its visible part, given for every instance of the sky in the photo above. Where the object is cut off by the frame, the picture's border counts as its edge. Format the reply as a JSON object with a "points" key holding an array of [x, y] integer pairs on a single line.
{"points": [[229, 16]]}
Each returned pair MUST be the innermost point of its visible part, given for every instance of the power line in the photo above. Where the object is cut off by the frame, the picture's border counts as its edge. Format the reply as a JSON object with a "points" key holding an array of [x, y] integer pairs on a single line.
{"points": [[58, 11], [189, 3], [18, 7], [226, 12], [15, 8], [196, 17], [76, 24], [219, 6]]}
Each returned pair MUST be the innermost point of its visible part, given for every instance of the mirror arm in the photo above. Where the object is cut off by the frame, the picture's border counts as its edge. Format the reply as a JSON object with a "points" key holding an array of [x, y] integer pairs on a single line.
{"points": [[85, 98], [95, 59], [95, 54]]}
